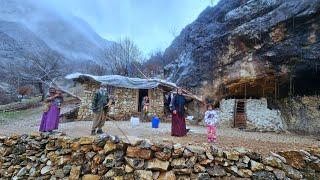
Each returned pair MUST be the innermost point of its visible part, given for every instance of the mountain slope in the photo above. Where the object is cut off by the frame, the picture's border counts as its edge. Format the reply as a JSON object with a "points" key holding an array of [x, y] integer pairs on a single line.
{"points": [[64, 33]]}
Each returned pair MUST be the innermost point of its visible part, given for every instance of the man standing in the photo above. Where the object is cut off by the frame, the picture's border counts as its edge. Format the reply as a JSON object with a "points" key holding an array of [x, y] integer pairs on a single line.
{"points": [[99, 108]]}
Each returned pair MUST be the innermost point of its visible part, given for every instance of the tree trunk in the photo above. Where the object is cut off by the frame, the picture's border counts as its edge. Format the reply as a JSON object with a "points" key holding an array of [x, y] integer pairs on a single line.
{"points": [[41, 90]]}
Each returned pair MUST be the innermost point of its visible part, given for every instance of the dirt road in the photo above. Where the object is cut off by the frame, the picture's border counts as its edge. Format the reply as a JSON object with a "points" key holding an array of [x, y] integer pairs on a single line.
{"points": [[227, 137]]}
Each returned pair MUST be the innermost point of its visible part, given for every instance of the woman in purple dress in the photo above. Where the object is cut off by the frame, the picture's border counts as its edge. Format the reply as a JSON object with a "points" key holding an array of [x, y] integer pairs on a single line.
{"points": [[178, 127], [50, 117]]}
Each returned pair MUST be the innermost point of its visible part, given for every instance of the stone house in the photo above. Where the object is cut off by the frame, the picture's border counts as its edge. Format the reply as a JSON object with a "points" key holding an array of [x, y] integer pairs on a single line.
{"points": [[126, 92]]}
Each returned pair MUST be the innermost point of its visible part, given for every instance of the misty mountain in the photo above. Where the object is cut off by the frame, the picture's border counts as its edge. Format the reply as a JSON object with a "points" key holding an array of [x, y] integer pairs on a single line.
{"points": [[38, 28]]}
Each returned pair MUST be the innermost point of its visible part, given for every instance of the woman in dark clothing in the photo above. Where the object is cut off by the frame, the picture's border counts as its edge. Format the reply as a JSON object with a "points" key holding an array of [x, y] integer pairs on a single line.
{"points": [[178, 127]]}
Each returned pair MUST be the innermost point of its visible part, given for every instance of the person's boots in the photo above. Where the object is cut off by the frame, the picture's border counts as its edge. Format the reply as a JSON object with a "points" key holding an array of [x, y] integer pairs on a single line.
{"points": [[93, 132], [99, 131]]}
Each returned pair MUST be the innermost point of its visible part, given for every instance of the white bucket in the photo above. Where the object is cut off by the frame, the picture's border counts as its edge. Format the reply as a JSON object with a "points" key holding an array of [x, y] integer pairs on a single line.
{"points": [[134, 121]]}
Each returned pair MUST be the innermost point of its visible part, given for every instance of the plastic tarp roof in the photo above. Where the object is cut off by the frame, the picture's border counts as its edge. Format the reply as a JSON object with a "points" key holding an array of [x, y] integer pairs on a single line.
{"points": [[122, 81]]}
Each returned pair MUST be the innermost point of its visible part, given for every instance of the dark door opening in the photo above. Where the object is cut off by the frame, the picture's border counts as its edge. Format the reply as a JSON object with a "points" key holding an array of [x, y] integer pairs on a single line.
{"points": [[142, 94]]}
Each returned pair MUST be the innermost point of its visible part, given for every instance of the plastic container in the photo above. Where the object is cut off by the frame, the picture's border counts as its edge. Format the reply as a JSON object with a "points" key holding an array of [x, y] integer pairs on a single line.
{"points": [[155, 122], [134, 121]]}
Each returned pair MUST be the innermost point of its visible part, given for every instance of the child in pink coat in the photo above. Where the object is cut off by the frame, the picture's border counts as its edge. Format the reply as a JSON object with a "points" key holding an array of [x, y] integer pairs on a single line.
{"points": [[211, 121]]}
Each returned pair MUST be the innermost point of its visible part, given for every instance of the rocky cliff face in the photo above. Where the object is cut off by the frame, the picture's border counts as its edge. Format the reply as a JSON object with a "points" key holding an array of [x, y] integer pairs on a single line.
{"points": [[250, 48]]}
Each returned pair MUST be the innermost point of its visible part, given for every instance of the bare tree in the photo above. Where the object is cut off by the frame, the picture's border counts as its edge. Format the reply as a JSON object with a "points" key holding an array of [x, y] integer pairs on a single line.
{"points": [[32, 69], [123, 57]]}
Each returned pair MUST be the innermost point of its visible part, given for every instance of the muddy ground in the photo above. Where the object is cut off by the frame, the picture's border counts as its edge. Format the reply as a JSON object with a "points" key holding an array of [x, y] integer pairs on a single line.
{"points": [[228, 138]]}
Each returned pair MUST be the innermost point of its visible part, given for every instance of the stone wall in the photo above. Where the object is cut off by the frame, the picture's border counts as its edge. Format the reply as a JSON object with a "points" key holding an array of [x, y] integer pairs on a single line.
{"points": [[302, 114], [85, 110], [227, 112], [126, 101], [156, 102], [40, 156], [259, 116]]}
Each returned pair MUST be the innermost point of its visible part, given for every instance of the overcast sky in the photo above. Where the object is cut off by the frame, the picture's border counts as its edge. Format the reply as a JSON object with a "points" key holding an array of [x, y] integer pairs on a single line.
{"points": [[152, 24]]}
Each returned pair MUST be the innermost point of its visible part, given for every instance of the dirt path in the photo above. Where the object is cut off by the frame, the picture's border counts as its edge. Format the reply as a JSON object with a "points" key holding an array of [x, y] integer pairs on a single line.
{"points": [[227, 137]]}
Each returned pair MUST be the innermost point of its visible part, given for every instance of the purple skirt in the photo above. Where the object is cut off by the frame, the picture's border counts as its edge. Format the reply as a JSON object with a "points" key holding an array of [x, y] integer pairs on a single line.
{"points": [[178, 127], [50, 119]]}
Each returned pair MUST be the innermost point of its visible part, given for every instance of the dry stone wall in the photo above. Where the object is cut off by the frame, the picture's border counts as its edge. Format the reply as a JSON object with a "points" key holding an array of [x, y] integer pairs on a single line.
{"points": [[85, 110], [260, 117], [44, 156], [156, 102], [126, 101]]}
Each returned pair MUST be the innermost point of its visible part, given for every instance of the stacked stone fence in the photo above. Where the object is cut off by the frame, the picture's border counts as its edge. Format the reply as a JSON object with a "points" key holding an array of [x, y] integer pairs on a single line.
{"points": [[44, 156]]}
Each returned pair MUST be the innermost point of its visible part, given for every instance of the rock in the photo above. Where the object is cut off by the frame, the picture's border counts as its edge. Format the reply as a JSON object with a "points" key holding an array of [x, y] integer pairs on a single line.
{"points": [[291, 172], [33, 172], [279, 174], [59, 173], [155, 175], [75, 146], [233, 170], [184, 171], [209, 155], [46, 170], [135, 163], [256, 166], [137, 152], [109, 147], [191, 162], [23, 171], [91, 177], [217, 152], [315, 165], [187, 153], [268, 168], [90, 155], [245, 159], [146, 143], [66, 169], [273, 162], [255, 156], [294, 159], [128, 169], [86, 140], [179, 163], [75, 172], [169, 175], [62, 160], [143, 174], [279, 157], [198, 168], [244, 173], [263, 175], [109, 161], [216, 171], [163, 156], [196, 149], [231, 155], [202, 176], [241, 150], [315, 151], [156, 164], [35, 134]]}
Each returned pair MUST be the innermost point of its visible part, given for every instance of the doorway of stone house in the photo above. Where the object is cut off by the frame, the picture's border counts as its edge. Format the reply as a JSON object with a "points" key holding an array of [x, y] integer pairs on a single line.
{"points": [[142, 94]]}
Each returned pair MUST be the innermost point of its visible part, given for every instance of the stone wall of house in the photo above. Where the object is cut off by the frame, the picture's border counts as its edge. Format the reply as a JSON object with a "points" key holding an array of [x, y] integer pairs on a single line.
{"points": [[40, 156], [156, 102], [85, 110], [259, 116], [126, 101], [227, 112]]}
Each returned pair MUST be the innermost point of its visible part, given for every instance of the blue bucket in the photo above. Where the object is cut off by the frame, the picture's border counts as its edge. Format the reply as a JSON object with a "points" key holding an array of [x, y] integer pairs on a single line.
{"points": [[155, 122]]}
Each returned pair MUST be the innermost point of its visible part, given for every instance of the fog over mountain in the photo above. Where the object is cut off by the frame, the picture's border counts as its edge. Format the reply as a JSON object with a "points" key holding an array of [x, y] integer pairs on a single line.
{"points": [[38, 28]]}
